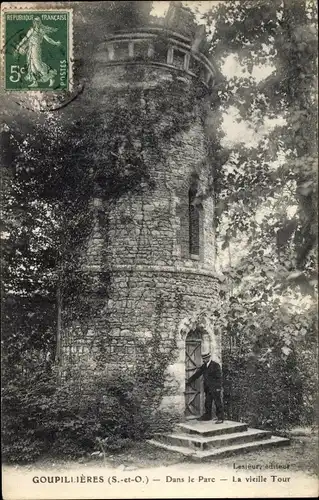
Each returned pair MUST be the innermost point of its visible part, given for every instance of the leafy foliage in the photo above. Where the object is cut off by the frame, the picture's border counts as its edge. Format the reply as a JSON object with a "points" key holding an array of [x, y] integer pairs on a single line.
{"points": [[269, 360], [49, 218], [265, 204], [266, 209], [282, 36], [80, 414]]}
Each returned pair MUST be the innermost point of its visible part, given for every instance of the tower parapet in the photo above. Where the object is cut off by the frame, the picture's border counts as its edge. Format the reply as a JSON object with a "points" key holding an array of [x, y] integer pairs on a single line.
{"points": [[154, 46], [176, 45]]}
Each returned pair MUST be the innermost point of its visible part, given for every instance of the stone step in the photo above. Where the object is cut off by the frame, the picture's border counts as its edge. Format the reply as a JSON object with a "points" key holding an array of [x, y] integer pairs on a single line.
{"points": [[210, 428], [225, 451], [201, 443]]}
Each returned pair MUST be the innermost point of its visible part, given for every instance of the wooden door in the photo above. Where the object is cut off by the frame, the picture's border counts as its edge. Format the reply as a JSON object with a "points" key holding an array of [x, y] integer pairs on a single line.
{"points": [[194, 391]]}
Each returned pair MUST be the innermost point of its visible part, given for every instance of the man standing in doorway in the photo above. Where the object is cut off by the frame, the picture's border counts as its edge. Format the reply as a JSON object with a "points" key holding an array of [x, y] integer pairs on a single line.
{"points": [[212, 374]]}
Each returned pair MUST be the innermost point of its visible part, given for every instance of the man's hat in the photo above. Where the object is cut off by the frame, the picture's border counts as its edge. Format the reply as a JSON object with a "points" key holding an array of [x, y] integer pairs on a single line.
{"points": [[206, 355]]}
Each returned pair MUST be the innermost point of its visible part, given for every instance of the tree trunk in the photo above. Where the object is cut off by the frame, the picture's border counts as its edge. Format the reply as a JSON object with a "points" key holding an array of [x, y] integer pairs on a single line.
{"points": [[59, 325]]}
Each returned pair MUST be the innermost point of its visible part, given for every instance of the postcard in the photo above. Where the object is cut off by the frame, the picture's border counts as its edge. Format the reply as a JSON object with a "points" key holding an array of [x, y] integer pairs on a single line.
{"points": [[159, 249]]}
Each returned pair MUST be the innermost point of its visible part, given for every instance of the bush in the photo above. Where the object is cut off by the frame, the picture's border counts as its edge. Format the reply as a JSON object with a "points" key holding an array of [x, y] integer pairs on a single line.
{"points": [[267, 390], [81, 413], [26, 414]]}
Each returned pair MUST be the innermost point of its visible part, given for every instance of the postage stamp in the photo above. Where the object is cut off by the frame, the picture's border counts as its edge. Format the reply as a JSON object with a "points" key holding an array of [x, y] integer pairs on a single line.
{"points": [[37, 49]]}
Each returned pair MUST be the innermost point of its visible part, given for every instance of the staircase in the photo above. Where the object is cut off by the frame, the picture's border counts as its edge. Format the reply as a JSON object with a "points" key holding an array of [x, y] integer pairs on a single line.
{"points": [[205, 440]]}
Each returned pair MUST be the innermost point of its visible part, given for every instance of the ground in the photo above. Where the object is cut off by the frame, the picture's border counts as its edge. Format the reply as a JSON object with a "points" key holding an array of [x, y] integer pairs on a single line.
{"points": [[302, 455], [144, 471]]}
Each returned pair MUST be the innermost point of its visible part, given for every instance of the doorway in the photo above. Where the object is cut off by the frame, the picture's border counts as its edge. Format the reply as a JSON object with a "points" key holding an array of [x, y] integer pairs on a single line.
{"points": [[194, 393]]}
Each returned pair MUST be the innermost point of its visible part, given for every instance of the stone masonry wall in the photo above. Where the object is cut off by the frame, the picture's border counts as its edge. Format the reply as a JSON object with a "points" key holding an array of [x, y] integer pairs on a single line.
{"points": [[149, 299], [150, 226], [154, 284]]}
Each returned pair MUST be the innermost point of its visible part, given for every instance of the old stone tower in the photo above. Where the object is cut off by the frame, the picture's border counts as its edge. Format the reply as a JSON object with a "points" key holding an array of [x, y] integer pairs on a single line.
{"points": [[159, 250]]}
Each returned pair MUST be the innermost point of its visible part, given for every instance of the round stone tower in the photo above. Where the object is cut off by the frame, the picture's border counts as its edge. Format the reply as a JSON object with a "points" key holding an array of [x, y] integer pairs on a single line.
{"points": [[155, 243]]}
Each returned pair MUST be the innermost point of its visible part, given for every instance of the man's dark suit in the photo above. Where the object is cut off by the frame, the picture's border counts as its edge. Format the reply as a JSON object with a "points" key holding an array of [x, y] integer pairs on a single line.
{"points": [[212, 375]]}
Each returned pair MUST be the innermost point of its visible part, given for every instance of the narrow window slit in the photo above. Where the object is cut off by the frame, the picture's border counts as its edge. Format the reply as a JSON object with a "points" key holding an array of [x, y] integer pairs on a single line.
{"points": [[194, 223]]}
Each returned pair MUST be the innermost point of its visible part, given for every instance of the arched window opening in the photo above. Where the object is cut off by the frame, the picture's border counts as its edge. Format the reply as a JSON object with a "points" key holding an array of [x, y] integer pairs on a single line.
{"points": [[194, 225]]}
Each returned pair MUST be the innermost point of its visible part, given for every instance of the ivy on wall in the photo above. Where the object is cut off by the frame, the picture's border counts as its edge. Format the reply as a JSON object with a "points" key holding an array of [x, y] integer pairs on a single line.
{"points": [[104, 153]]}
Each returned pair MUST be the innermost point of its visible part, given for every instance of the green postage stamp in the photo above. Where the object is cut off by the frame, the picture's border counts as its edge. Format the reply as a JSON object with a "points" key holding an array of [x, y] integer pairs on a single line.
{"points": [[37, 49]]}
